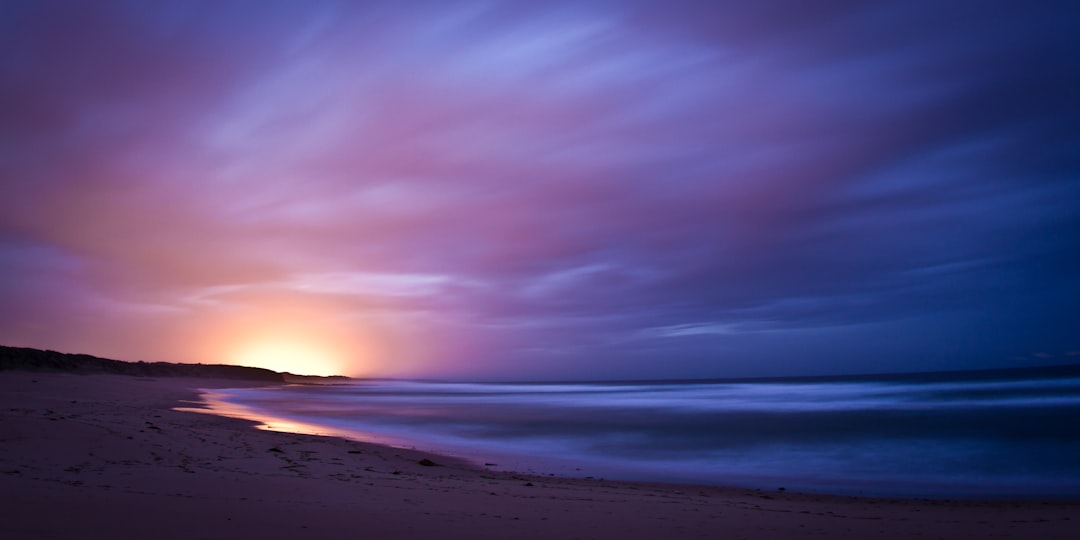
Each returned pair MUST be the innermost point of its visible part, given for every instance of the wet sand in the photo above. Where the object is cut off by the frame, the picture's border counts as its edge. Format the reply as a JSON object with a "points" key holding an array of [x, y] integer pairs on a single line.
{"points": [[107, 456]]}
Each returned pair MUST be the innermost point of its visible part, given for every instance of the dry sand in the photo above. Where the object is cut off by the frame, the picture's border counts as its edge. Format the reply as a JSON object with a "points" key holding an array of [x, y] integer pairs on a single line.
{"points": [[105, 456]]}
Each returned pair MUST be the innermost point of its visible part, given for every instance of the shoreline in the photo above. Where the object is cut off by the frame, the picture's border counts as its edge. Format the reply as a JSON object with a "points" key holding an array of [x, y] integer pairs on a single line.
{"points": [[113, 456], [212, 403], [861, 441]]}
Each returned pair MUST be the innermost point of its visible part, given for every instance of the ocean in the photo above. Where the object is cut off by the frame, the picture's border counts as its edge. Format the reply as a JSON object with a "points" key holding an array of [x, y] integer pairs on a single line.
{"points": [[1007, 434]]}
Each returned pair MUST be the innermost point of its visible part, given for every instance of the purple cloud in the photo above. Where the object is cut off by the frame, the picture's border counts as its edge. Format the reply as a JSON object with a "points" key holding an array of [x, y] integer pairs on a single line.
{"points": [[601, 190]]}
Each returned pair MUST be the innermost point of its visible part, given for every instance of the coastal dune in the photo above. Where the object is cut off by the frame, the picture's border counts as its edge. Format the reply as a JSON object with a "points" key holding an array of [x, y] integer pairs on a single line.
{"points": [[109, 456]]}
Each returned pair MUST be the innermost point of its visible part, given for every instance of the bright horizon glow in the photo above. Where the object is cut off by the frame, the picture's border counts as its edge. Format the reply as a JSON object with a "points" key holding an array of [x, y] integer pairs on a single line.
{"points": [[286, 355], [274, 327]]}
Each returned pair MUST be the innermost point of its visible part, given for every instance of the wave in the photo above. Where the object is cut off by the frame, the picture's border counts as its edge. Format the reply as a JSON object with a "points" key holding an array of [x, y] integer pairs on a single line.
{"points": [[923, 438]]}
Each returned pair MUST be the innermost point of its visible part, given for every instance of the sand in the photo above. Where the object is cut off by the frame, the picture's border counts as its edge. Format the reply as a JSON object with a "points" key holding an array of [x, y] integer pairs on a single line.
{"points": [[106, 456]]}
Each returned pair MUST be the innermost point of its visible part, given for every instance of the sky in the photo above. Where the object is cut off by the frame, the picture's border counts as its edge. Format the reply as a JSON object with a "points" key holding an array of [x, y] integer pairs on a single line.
{"points": [[543, 190]]}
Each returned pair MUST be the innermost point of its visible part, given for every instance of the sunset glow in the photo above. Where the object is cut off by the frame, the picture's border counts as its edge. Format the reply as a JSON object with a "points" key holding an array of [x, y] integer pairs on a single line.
{"points": [[288, 356]]}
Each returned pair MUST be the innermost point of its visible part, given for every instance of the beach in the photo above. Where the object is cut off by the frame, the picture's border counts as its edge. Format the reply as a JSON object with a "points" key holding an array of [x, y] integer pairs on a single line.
{"points": [[107, 456]]}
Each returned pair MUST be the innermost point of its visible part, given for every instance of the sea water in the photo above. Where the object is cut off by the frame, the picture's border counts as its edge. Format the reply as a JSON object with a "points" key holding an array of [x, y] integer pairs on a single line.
{"points": [[1007, 436]]}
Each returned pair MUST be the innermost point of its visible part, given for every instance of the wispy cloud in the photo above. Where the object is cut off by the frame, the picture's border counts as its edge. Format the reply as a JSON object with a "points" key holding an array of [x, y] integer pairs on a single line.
{"points": [[567, 188]]}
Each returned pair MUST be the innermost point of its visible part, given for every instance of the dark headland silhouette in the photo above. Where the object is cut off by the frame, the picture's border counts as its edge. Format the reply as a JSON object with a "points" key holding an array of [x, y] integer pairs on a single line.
{"points": [[26, 359]]}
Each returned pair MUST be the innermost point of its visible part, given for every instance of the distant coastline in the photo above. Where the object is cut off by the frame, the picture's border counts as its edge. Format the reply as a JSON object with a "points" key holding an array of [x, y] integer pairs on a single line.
{"points": [[37, 360], [30, 359]]}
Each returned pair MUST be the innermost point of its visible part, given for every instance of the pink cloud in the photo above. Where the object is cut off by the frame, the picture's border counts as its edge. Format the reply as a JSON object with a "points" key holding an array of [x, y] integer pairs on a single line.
{"points": [[474, 188]]}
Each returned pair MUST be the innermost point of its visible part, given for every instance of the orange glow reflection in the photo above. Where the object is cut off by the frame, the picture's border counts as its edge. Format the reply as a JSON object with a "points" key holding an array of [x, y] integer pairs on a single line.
{"points": [[211, 402]]}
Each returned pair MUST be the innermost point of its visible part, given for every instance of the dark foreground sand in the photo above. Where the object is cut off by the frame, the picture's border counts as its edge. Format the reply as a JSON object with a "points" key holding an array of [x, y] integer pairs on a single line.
{"points": [[105, 456]]}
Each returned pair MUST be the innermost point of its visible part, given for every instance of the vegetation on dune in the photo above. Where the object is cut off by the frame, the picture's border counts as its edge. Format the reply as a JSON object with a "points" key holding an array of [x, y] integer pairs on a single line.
{"points": [[26, 359]]}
